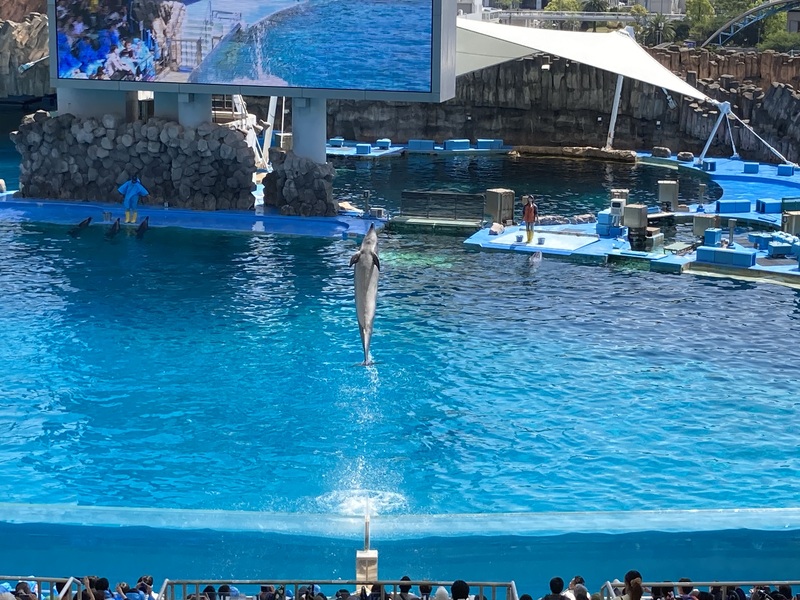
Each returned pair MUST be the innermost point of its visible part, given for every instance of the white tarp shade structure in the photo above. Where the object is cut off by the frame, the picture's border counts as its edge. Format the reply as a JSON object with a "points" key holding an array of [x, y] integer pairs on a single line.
{"points": [[481, 44]]}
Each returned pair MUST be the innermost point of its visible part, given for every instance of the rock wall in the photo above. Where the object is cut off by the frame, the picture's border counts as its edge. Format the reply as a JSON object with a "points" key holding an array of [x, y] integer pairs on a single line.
{"points": [[209, 167], [549, 101], [21, 43], [17, 10], [759, 68], [299, 186]]}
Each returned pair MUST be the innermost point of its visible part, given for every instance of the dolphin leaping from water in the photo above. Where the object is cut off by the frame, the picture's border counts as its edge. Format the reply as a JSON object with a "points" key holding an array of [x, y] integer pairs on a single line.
{"points": [[367, 270]]}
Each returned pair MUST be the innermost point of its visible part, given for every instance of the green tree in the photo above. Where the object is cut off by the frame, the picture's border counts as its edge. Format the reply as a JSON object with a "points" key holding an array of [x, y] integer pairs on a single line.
{"points": [[657, 30], [565, 6], [639, 13], [781, 41], [595, 6], [700, 14]]}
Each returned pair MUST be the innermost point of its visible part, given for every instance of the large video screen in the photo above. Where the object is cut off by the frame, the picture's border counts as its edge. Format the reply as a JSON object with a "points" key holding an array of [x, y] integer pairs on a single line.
{"points": [[384, 45]]}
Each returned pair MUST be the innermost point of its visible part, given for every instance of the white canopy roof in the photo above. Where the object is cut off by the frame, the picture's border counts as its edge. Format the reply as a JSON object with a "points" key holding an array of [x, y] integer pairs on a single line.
{"points": [[481, 44]]}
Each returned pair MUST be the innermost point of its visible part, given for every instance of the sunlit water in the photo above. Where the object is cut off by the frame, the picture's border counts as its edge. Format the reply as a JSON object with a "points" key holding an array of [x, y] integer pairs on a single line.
{"points": [[212, 370], [204, 370]]}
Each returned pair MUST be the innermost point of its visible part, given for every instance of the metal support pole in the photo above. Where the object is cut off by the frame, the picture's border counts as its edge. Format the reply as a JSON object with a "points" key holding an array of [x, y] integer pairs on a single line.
{"points": [[614, 111], [724, 109]]}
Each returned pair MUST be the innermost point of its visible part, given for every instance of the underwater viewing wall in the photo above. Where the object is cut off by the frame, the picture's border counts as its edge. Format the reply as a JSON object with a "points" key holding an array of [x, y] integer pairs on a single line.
{"points": [[550, 101], [210, 167]]}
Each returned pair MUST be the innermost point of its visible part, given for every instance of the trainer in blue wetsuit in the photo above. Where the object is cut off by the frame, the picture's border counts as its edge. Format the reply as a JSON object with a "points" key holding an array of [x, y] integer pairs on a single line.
{"points": [[132, 190]]}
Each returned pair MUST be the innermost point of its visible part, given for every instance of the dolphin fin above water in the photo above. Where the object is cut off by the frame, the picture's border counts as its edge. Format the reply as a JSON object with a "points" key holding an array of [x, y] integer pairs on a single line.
{"points": [[113, 230], [367, 270], [76, 231], [142, 228]]}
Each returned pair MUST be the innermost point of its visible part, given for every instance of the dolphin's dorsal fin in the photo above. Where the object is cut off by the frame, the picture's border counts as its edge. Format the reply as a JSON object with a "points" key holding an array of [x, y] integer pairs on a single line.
{"points": [[355, 257], [376, 261]]}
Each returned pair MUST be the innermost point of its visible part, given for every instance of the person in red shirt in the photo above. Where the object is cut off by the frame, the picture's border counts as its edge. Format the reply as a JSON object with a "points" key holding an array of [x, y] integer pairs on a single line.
{"points": [[530, 212]]}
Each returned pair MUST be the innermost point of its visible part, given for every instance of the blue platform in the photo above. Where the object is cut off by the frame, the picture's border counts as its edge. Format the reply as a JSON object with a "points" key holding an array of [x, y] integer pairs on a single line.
{"points": [[264, 220]]}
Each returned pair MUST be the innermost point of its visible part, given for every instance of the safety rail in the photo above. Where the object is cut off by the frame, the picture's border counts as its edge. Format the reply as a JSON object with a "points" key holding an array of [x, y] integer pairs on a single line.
{"points": [[184, 588], [69, 585], [442, 205], [609, 587], [555, 15], [225, 15]]}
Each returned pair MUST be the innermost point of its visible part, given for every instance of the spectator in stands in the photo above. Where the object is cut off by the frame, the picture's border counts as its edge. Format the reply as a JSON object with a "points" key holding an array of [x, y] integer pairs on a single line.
{"points": [[570, 591], [526, 597], [459, 590], [441, 594], [633, 586], [405, 590], [556, 589], [685, 590], [665, 593], [581, 592], [377, 592], [425, 591]]}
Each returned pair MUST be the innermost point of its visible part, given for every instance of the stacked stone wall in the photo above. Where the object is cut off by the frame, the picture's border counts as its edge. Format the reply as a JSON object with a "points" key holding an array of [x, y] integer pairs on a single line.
{"points": [[298, 186], [210, 167]]}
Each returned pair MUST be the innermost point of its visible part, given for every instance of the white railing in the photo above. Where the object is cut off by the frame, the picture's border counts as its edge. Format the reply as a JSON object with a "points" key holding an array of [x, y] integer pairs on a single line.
{"points": [[555, 15]]}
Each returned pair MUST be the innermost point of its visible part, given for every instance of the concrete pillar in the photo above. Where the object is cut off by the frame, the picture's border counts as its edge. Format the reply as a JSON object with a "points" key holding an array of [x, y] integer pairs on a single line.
{"points": [[96, 103], [194, 109], [309, 128], [165, 105]]}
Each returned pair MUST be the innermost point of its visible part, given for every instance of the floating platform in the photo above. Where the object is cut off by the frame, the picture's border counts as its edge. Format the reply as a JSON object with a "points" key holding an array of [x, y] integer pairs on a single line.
{"points": [[579, 243], [362, 151], [259, 220], [408, 224]]}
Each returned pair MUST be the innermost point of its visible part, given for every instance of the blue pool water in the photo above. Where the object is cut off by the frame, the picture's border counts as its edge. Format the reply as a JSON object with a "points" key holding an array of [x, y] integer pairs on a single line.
{"points": [[197, 382], [216, 371], [331, 44]]}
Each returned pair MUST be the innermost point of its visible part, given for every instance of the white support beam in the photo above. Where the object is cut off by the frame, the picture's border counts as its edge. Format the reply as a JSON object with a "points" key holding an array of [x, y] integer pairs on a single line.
{"points": [[614, 111]]}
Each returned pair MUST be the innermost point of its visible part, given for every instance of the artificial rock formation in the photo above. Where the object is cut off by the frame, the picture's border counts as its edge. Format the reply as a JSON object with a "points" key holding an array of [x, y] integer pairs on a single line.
{"points": [[17, 10], [210, 167], [299, 186], [548, 101], [21, 43]]}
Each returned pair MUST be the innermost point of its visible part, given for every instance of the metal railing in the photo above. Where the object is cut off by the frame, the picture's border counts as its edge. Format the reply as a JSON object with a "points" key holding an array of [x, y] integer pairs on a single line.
{"points": [[67, 585], [250, 588], [443, 205], [554, 15], [608, 589]]}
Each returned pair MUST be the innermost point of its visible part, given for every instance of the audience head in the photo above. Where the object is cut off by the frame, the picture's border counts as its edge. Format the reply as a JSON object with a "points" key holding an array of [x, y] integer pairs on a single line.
{"points": [[404, 589], [459, 590], [209, 592], [556, 585], [577, 580], [685, 589], [441, 594], [526, 597], [581, 593], [785, 590], [425, 589]]}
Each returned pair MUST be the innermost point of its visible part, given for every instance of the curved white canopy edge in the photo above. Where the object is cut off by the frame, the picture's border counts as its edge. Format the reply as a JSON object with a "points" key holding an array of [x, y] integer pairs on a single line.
{"points": [[482, 44]]}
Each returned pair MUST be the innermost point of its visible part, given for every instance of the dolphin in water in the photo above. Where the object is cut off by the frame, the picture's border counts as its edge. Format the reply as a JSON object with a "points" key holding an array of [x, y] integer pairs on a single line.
{"points": [[113, 230], [142, 228], [76, 231], [367, 270]]}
